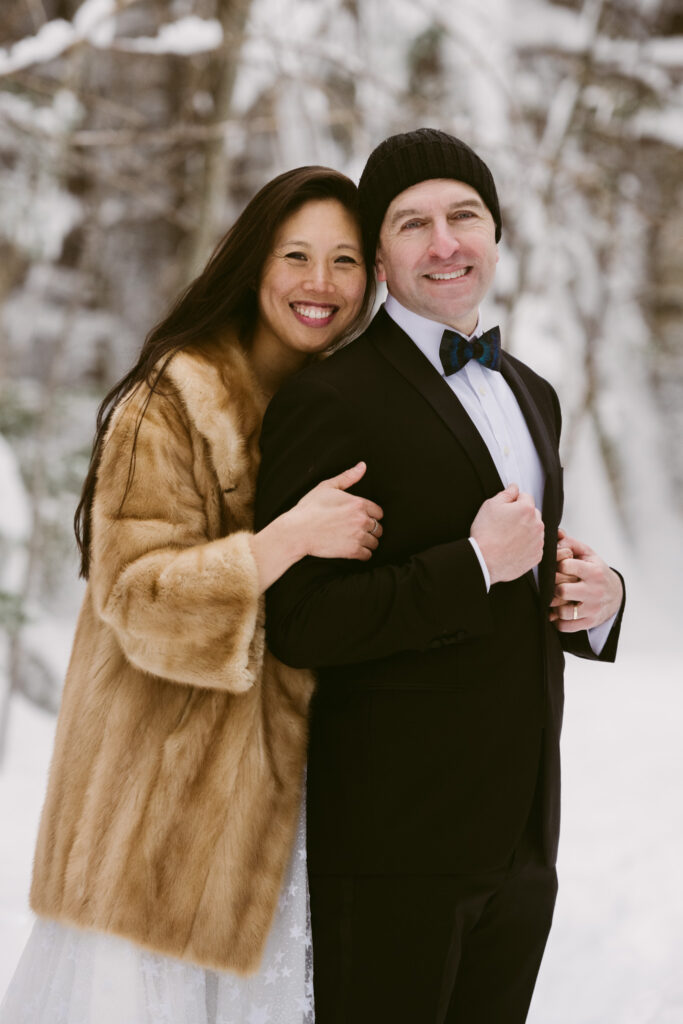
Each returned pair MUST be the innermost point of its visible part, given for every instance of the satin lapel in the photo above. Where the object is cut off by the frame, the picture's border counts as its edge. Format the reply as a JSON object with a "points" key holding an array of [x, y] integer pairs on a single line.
{"points": [[395, 346], [539, 430], [542, 434]]}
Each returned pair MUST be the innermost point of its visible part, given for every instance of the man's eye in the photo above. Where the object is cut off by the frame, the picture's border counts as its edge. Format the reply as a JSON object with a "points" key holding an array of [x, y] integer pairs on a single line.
{"points": [[463, 215], [411, 224]]}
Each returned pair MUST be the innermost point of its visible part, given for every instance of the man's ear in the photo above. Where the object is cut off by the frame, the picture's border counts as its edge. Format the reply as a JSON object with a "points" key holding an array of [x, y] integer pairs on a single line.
{"points": [[379, 266]]}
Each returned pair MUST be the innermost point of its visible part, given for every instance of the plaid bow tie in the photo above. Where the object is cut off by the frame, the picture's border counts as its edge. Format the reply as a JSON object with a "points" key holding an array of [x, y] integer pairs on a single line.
{"points": [[456, 350]]}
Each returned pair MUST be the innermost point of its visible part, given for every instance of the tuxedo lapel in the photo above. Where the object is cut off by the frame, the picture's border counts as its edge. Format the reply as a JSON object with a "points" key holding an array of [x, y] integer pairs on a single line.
{"points": [[542, 436], [539, 430], [396, 347]]}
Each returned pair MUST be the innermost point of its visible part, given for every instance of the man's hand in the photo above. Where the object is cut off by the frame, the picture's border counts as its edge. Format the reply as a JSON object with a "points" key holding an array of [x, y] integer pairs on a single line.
{"points": [[584, 585], [509, 531]]}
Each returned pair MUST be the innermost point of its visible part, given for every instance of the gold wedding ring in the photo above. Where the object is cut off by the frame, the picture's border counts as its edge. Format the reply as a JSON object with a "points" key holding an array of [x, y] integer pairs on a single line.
{"points": [[576, 611]]}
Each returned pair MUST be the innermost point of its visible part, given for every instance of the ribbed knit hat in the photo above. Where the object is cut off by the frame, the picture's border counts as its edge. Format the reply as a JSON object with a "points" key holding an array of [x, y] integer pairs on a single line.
{"points": [[404, 160]]}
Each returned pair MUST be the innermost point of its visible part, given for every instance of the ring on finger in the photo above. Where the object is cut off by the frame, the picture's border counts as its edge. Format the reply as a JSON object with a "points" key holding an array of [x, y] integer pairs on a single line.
{"points": [[372, 531], [575, 614]]}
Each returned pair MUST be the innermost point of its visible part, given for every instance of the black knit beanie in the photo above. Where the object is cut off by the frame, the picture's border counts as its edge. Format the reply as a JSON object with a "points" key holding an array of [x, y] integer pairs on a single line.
{"points": [[404, 160]]}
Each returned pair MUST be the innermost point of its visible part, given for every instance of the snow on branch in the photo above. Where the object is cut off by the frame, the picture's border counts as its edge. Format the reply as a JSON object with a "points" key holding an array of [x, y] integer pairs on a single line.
{"points": [[560, 31], [95, 23], [184, 37], [659, 125], [51, 41]]}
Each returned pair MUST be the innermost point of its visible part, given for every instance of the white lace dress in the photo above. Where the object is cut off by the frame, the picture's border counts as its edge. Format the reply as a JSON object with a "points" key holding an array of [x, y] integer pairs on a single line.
{"points": [[70, 976]]}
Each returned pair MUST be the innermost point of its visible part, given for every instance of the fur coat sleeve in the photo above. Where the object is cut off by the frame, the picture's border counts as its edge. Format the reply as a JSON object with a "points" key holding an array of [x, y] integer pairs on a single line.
{"points": [[181, 597]]}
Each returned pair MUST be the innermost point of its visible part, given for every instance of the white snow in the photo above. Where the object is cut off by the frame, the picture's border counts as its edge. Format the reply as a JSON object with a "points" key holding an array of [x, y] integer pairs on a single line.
{"points": [[39, 227], [22, 788], [51, 40], [186, 36], [662, 125], [551, 26], [667, 51], [614, 956], [95, 23], [14, 507], [94, 20]]}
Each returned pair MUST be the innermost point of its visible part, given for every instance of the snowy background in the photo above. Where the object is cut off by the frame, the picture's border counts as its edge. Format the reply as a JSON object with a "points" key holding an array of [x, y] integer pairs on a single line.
{"points": [[130, 134]]}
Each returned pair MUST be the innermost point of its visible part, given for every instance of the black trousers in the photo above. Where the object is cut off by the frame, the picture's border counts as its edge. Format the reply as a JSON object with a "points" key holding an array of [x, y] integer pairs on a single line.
{"points": [[461, 949]]}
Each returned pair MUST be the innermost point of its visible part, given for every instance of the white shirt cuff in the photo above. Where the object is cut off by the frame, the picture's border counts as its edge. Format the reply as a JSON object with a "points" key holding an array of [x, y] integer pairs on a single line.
{"points": [[484, 567], [597, 636]]}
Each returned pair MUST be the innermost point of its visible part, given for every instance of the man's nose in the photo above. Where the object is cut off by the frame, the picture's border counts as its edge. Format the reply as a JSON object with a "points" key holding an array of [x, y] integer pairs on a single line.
{"points": [[443, 242]]}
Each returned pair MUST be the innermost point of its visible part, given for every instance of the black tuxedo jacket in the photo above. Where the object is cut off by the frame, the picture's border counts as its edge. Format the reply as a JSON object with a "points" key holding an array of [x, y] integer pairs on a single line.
{"points": [[436, 702]]}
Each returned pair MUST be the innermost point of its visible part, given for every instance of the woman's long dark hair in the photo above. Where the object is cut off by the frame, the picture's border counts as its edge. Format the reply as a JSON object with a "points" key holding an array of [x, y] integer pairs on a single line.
{"points": [[223, 295]]}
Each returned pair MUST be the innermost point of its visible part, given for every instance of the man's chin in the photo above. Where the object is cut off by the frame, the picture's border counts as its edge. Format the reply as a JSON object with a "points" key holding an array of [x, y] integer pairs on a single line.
{"points": [[450, 314]]}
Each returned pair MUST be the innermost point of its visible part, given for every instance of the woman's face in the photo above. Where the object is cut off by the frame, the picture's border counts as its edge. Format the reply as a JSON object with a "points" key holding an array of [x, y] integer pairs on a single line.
{"points": [[313, 281]]}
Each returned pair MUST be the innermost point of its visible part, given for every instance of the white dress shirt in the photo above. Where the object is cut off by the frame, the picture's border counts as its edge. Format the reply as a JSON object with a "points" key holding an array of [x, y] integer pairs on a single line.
{"points": [[491, 405]]}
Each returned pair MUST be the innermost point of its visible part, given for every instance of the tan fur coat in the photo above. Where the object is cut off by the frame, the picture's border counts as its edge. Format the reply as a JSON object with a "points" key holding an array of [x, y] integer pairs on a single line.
{"points": [[176, 778]]}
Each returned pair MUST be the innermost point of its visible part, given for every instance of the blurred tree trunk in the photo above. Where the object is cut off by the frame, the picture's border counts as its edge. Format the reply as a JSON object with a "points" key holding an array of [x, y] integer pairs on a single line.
{"points": [[214, 191], [53, 356]]}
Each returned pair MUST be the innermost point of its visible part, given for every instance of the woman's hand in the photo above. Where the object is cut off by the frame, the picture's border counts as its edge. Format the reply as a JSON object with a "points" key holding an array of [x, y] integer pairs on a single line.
{"points": [[326, 523], [335, 524], [587, 591]]}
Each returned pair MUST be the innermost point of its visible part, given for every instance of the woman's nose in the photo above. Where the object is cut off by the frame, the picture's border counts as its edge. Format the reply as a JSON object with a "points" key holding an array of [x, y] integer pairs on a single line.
{"points": [[319, 278]]}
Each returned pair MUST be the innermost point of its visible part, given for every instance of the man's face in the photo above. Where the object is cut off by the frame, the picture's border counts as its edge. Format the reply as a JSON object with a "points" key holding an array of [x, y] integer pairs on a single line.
{"points": [[437, 251]]}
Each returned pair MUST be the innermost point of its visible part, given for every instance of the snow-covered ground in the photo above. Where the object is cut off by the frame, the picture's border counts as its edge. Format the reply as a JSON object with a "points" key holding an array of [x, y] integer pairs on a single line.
{"points": [[615, 952]]}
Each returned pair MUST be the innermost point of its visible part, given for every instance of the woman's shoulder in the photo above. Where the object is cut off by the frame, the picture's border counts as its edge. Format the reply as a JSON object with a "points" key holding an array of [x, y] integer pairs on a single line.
{"points": [[218, 390], [199, 415], [210, 387], [217, 373]]}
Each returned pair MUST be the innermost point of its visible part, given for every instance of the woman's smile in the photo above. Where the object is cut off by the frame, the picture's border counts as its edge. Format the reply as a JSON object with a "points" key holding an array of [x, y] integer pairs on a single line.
{"points": [[313, 314]]}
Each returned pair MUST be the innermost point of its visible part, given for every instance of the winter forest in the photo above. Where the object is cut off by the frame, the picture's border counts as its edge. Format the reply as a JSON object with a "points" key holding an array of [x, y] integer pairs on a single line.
{"points": [[131, 133]]}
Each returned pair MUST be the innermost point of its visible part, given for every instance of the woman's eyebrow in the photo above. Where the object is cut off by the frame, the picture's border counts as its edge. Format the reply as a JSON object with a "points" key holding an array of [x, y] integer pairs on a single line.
{"points": [[303, 244]]}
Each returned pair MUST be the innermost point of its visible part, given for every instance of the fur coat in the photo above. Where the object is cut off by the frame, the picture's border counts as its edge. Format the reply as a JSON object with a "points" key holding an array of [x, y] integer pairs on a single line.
{"points": [[177, 772]]}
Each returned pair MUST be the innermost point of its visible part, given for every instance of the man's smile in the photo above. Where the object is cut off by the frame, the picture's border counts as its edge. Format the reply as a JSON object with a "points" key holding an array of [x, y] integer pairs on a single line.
{"points": [[450, 275]]}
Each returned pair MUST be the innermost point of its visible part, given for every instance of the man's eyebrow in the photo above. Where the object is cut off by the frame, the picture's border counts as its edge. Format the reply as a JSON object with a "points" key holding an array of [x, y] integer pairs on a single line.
{"points": [[461, 204]]}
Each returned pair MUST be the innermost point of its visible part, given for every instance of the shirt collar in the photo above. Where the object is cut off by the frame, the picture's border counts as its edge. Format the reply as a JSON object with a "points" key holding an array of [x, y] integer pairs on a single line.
{"points": [[426, 334]]}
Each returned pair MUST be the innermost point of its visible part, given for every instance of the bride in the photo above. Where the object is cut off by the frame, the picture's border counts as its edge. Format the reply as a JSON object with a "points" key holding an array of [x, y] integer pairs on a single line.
{"points": [[170, 874]]}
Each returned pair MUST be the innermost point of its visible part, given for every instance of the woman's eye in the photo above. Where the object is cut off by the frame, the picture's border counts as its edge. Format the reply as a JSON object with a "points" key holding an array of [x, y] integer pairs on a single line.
{"points": [[346, 259], [295, 255]]}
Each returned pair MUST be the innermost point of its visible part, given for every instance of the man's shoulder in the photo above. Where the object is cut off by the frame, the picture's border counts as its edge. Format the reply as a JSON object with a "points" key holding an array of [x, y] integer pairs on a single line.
{"points": [[530, 376], [344, 367], [345, 361], [542, 392]]}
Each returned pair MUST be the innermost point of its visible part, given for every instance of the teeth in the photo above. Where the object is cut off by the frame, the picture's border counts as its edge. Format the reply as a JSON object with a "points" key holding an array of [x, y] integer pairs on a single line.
{"points": [[448, 277], [313, 312]]}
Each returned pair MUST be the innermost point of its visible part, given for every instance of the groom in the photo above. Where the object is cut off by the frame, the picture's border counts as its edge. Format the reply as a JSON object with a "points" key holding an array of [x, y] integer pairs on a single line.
{"points": [[433, 773]]}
